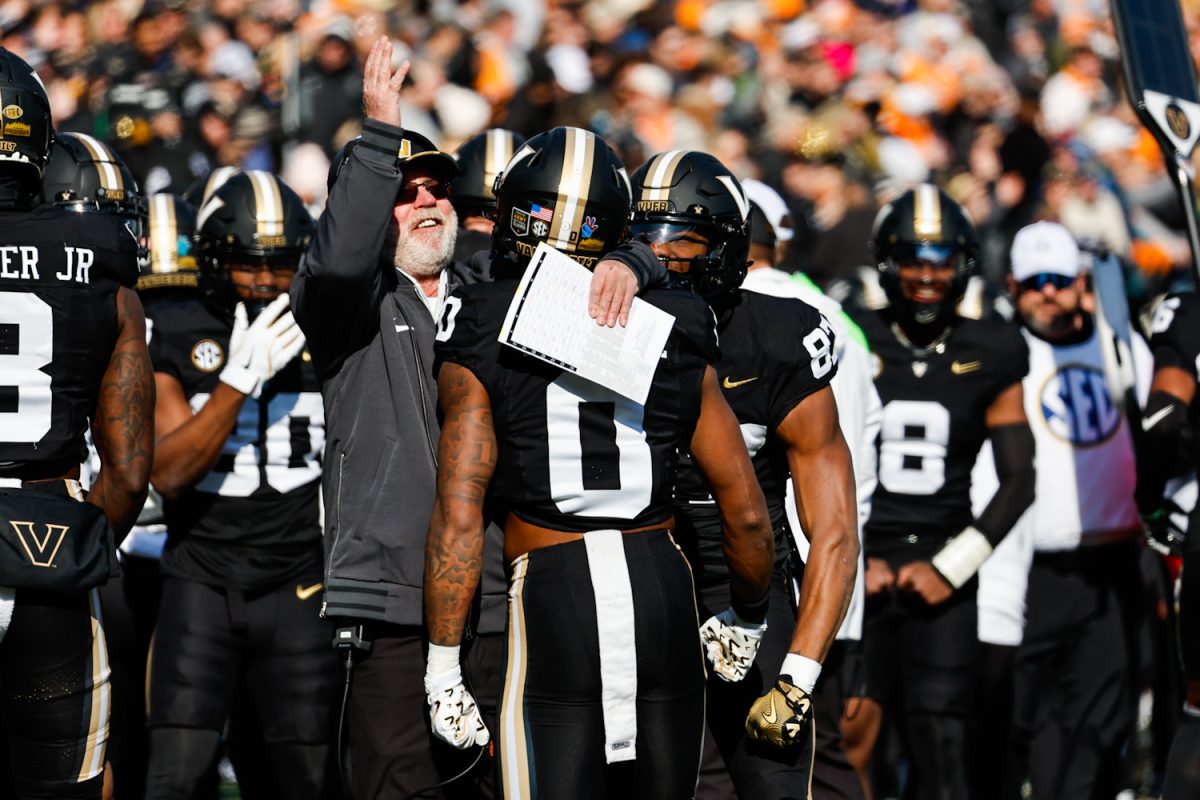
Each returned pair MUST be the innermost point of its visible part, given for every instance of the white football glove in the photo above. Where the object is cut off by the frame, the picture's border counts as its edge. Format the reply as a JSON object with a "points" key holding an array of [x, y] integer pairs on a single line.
{"points": [[260, 349], [452, 710], [730, 644]]}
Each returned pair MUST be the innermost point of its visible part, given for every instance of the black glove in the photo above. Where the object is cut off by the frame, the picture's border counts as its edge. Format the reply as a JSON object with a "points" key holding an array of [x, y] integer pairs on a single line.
{"points": [[1162, 535]]}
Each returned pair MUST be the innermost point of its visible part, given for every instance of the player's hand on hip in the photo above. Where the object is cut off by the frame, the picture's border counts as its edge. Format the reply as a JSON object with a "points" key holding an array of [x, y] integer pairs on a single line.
{"points": [[259, 349], [731, 643], [920, 578], [781, 717], [381, 85], [613, 288], [879, 577]]}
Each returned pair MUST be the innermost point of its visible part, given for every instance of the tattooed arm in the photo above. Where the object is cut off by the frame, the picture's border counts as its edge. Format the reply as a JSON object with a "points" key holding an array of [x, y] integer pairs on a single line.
{"points": [[123, 428], [454, 545]]}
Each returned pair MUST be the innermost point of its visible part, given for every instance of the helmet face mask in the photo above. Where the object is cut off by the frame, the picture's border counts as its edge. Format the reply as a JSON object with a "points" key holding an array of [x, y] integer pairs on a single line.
{"points": [[690, 197], [566, 188], [925, 246], [254, 226], [84, 175]]}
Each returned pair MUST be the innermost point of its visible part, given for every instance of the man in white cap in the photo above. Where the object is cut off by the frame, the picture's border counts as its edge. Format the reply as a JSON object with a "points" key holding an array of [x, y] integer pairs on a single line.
{"points": [[1074, 704]]}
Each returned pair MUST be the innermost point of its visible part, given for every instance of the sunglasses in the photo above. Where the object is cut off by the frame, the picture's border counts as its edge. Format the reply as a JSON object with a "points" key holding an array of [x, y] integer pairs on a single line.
{"points": [[408, 194], [1036, 283]]}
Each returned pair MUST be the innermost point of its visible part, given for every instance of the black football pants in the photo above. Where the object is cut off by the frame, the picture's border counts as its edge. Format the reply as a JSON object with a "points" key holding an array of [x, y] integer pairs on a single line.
{"points": [[55, 695], [209, 641], [552, 737], [1075, 671]]}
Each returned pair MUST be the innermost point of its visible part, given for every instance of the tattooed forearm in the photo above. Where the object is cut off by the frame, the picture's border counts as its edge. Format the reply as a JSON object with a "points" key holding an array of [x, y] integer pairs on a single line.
{"points": [[454, 545], [123, 428]]}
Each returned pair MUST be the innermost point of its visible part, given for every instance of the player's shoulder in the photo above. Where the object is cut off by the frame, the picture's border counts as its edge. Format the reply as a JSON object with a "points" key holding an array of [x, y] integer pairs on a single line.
{"points": [[781, 325], [694, 320], [114, 247], [1177, 315], [184, 319]]}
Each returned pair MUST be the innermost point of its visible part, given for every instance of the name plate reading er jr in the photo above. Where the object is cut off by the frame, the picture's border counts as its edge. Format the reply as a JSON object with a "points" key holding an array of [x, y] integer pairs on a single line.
{"points": [[548, 319]]}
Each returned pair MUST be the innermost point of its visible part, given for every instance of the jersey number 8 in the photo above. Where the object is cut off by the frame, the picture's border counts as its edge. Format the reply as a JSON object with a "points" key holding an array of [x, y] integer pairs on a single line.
{"points": [[25, 397], [912, 448]]}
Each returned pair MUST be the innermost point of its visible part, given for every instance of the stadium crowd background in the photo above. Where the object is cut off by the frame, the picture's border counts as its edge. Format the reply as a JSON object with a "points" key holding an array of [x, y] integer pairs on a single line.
{"points": [[1015, 106]]}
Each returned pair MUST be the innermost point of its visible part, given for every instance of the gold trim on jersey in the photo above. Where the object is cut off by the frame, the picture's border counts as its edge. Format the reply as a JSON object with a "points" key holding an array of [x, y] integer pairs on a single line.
{"points": [[514, 745], [927, 212], [110, 177], [268, 209], [96, 742], [574, 188], [497, 151]]}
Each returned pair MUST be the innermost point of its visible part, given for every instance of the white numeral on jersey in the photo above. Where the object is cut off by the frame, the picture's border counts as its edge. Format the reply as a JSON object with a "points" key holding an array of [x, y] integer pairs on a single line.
{"points": [[25, 404], [912, 449], [819, 343], [445, 327], [600, 463]]}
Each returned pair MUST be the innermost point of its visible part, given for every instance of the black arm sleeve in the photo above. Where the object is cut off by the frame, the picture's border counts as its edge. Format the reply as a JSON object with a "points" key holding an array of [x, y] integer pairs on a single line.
{"points": [[651, 273], [1164, 431], [1189, 602], [1012, 448], [340, 282]]}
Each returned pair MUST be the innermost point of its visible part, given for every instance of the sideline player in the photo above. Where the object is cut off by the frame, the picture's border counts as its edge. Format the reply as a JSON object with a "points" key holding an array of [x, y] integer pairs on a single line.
{"points": [[240, 432], [480, 160], [947, 383], [605, 684], [75, 352], [777, 361]]}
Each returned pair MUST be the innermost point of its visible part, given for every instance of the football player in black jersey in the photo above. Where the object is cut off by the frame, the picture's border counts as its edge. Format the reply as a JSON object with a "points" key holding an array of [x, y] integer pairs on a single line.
{"points": [[947, 383], [240, 433], [86, 176], [604, 694], [777, 360], [1168, 438], [480, 159], [74, 354]]}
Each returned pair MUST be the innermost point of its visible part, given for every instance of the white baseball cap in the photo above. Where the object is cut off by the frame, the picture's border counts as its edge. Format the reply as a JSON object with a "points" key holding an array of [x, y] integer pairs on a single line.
{"points": [[1044, 247], [773, 207]]}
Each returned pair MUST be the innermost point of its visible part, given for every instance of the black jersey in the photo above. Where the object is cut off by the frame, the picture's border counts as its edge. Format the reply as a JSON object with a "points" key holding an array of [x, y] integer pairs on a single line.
{"points": [[575, 456], [59, 274], [1175, 339], [933, 426], [251, 522]]}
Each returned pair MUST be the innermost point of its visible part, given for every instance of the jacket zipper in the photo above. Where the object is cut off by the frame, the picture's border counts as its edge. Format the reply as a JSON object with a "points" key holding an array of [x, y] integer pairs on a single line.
{"points": [[337, 505]]}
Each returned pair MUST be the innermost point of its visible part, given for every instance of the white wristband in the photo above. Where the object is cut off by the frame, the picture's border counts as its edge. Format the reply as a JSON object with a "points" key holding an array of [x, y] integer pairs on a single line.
{"points": [[961, 557], [443, 669], [803, 671]]}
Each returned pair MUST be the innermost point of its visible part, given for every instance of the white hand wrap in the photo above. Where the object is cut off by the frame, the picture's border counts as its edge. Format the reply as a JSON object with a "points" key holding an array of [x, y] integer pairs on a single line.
{"points": [[730, 643], [961, 557], [452, 710], [260, 349]]}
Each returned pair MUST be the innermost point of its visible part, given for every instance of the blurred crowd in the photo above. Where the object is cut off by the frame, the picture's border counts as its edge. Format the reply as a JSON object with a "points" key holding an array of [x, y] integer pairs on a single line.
{"points": [[1016, 106]]}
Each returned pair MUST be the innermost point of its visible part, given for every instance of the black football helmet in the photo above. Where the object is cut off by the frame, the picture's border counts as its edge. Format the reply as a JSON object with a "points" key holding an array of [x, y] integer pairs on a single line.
{"points": [[567, 188], [924, 224], [480, 160], [685, 190], [26, 129], [171, 241], [202, 188], [253, 216]]}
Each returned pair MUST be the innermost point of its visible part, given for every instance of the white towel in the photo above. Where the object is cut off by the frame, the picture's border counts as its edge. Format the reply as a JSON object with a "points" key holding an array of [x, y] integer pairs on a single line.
{"points": [[8, 597], [618, 644]]}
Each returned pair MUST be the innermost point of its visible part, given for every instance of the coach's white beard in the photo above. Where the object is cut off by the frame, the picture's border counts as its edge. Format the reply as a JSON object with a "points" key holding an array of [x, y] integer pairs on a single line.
{"points": [[422, 259]]}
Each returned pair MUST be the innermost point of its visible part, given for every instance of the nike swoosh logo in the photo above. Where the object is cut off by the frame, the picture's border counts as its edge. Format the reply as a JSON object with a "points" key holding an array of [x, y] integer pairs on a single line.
{"points": [[304, 593], [728, 384], [401, 328], [960, 368], [770, 716], [1155, 418]]}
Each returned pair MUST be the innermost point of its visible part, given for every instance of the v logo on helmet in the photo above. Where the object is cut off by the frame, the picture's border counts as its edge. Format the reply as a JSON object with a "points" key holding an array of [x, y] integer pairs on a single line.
{"points": [[43, 549], [739, 195]]}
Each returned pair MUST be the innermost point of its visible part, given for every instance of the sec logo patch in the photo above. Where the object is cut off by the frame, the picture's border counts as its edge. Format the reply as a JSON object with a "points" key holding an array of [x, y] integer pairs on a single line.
{"points": [[208, 355], [1077, 407]]}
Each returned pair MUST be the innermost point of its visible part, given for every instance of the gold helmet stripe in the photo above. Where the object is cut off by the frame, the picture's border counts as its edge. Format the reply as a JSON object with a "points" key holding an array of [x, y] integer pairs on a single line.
{"points": [[927, 212], [164, 241], [574, 187], [268, 203], [216, 179], [110, 176], [661, 175], [498, 151]]}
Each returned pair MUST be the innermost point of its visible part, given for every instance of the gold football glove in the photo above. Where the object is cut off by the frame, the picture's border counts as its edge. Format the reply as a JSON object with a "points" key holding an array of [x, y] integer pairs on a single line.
{"points": [[780, 716]]}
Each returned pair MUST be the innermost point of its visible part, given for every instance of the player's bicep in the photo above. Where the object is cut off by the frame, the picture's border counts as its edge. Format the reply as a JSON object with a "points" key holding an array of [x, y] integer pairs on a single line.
{"points": [[467, 450], [1007, 408]]}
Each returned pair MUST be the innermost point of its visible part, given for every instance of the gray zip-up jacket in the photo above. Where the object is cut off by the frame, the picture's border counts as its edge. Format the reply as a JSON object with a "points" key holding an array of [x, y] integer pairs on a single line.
{"points": [[371, 338]]}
